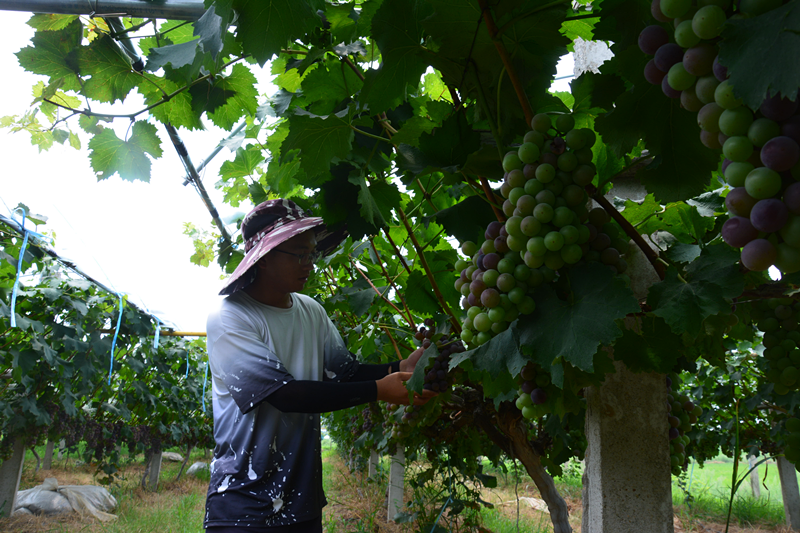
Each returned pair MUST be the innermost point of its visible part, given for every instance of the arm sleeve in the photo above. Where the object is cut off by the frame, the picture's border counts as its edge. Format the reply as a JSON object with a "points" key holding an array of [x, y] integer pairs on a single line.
{"points": [[322, 396], [375, 372]]}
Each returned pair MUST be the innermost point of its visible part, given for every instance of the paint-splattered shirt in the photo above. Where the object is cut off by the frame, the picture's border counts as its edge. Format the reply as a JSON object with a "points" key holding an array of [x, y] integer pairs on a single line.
{"points": [[267, 468]]}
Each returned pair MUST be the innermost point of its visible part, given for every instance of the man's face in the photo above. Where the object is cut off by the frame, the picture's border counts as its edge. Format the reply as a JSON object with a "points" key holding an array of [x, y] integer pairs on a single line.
{"points": [[282, 266]]}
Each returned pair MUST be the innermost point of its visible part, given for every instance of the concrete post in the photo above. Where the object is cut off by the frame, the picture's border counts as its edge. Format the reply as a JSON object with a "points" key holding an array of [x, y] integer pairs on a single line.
{"points": [[396, 488], [790, 492], [10, 474], [47, 464], [755, 486], [627, 485], [154, 473], [373, 463], [61, 445]]}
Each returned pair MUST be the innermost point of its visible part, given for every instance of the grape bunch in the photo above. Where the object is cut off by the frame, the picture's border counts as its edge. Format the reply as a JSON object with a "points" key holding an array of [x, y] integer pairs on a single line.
{"points": [[761, 147], [777, 318], [548, 228], [682, 415], [425, 333], [436, 375], [532, 399]]}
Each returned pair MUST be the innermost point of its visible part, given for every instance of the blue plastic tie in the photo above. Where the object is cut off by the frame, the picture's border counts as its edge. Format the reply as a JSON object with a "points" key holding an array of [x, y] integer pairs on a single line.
{"points": [[205, 380], [25, 234], [158, 332], [187, 365], [114, 341], [19, 272]]}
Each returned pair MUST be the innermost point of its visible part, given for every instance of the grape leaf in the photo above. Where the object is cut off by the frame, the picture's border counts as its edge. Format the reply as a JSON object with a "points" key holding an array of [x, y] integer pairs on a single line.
{"points": [[112, 77], [711, 281], [50, 22], [397, 30], [209, 29], [377, 200], [244, 164], [178, 111], [574, 329], [419, 294], [466, 220], [241, 99], [52, 54], [756, 49], [650, 347], [319, 141], [110, 155], [266, 26], [177, 55]]}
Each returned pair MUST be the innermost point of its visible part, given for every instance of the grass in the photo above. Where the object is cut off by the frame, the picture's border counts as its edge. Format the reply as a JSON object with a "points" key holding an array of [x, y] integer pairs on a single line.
{"points": [[357, 504]]}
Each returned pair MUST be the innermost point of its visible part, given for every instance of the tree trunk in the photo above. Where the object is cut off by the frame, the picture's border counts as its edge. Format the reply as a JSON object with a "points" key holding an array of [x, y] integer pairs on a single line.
{"points": [[188, 453], [510, 435]]}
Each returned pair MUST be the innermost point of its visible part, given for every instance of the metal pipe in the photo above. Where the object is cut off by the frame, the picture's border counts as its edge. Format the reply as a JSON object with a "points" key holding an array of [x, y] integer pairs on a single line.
{"points": [[164, 9]]}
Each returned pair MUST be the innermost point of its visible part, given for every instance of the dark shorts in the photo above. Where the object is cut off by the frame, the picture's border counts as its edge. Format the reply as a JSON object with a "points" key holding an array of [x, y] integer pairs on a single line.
{"points": [[310, 526]]}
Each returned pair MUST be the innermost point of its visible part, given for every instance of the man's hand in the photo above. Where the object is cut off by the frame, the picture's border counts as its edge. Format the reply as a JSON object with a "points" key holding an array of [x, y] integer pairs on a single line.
{"points": [[408, 364], [392, 389]]}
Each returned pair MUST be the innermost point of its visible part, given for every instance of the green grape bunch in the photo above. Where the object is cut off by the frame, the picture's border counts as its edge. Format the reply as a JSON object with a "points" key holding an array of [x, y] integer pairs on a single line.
{"points": [[549, 227]]}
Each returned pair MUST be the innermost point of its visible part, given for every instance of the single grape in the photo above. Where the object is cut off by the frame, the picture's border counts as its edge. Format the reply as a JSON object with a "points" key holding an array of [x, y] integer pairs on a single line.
{"points": [[528, 153], [668, 55], [791, 128], [735, 174], [738, 148], [791, 197], [739, 203], [511, 161], [788, 259], [708, 117], [708, 21], [541, 123], [699, 60], [759, 255], [710, 140], [655, 10], [705, 87], [675, 8], [690, 101], [762, 130], [724, 96], [735, 121], [565, 122], [652, 38], [762, 183], [769, 215], [780, 153], [679, 79], [685, 35]]}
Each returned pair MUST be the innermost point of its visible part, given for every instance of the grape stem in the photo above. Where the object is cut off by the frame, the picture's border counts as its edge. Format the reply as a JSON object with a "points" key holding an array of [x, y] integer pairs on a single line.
{"points": [[396, 251], [504, 57], [391, 282], [383, 296], [396, 349], [429, 272], [630, 231]]}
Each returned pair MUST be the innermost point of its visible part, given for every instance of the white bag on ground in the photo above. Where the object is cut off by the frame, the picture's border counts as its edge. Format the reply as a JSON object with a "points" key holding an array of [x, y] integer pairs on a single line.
{"points": [[49, 498]]}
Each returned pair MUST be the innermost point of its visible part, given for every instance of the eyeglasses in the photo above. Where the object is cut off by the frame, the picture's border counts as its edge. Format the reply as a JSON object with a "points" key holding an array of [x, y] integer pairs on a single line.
{"points": [[304, 259]]}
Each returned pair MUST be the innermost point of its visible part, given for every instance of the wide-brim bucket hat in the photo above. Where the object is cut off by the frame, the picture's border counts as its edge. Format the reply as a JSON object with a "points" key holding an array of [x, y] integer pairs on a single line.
{"points": [[269, 224]]}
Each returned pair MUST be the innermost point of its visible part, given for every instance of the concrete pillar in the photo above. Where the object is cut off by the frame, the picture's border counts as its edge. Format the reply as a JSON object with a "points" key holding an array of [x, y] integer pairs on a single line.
{"points": [[61, 445], [396, 484], [10, 474], [373, 463], [47, 464], [755, 485], [154, 472], [627, 482], [790, 492]]}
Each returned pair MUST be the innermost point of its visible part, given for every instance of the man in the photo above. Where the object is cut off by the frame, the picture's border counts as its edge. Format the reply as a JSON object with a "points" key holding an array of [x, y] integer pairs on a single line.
{"points": [[277, 361]]}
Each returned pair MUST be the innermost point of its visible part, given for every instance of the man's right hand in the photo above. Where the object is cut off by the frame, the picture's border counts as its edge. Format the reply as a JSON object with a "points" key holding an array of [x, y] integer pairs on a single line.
{"points": [[392, 389]]}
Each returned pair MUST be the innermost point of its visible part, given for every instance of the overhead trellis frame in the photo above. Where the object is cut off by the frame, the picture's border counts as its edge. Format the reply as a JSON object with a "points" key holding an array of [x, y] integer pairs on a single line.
{"points": [[165, 9]]}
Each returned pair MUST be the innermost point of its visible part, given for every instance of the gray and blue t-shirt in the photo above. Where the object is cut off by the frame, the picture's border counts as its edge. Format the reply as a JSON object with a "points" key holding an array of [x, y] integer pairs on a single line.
{"points": [[267, 467]]}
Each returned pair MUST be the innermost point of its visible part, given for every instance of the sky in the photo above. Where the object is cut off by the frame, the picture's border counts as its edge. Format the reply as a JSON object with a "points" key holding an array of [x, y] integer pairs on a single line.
{"points": [[127, 235]]}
